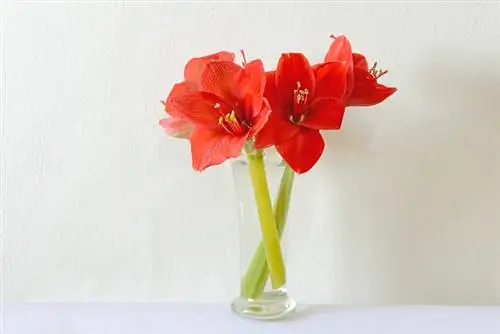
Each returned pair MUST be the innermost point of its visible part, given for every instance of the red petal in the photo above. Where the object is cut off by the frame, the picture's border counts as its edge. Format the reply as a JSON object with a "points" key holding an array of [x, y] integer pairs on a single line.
{"points": [[176, 127], [194, 68], [294, 68], [271, 91], [331, 80], [201, 108], [360, 61], [261, 119], [252, 79], [179, 89], [367, 91], [219, 78], [369, 96], [278, 127], [303, 150], [276, 130], [250, 86], [325, 114], [340, 50], [209, 148]]}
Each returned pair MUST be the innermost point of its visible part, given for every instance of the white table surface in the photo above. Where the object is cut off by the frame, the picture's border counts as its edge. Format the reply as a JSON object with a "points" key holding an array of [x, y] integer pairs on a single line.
{"points": [[152, 318]]}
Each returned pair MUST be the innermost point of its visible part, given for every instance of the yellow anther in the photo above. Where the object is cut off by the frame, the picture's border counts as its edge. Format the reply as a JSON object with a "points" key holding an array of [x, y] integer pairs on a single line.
{"points": [[230, 123], [232, 116], [300, 94]]}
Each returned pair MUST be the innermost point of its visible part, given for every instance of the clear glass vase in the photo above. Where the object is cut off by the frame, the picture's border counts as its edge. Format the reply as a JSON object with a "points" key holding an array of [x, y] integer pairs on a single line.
{"points": [[261, 296]]}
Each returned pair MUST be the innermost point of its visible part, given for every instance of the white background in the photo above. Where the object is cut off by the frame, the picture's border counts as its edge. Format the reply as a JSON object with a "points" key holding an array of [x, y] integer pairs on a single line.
{"points": [[98, 204]]}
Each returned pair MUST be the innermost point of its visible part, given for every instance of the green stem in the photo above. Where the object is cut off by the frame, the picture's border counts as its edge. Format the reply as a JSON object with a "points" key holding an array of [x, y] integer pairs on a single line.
{"points": [[254, 281], [270, 236], [283, 199]]}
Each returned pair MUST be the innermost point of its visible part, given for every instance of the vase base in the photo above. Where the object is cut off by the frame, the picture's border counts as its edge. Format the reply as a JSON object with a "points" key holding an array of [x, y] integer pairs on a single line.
{"points": [[269, 306]]}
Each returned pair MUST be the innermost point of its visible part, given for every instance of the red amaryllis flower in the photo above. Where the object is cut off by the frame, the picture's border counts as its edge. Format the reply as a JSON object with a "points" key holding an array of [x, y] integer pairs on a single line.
{"points": [[227, 109], [176, 125], [363, 88], [303, 101]]}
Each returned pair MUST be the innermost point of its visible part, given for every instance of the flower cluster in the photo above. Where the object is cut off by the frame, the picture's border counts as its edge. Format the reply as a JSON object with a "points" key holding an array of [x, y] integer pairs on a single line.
{"points": [[222, 106]]}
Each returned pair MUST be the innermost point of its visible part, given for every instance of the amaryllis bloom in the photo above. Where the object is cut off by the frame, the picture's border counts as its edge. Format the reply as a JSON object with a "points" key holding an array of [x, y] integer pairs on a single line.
{"points": [[227, 109], [303, 101], [363, 88], [176, 125]]}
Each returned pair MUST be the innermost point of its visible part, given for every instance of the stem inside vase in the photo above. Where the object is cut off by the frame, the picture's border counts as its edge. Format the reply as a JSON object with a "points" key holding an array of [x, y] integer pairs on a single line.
{"points": [[254, 280], [270, 236]]}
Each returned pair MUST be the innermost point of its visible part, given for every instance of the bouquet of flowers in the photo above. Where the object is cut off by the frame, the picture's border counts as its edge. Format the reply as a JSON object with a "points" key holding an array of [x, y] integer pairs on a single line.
{"points": [[226, 110]]}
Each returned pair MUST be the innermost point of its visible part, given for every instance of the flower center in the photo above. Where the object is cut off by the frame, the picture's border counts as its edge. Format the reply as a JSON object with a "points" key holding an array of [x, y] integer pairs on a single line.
{"points": [[232, 125], [300, 96], [297, 119]]}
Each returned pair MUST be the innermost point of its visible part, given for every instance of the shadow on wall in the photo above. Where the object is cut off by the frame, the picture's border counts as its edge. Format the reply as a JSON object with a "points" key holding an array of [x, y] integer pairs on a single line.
{"points": [[420, 182]]}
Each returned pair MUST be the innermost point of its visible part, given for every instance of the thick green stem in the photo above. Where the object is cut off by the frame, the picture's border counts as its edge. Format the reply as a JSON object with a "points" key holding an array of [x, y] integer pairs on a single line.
{"points": [[254, 281], [270, 236], [283, 199]]}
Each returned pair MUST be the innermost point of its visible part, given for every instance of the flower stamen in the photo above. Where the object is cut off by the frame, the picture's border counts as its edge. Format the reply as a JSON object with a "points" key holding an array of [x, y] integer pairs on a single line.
{"points": [[300, 94], [377, 73], [231, 124], [244, 58]]}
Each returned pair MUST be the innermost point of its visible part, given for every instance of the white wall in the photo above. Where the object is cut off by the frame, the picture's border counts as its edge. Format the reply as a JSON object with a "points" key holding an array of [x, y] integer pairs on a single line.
{"points": [[97, 204]]}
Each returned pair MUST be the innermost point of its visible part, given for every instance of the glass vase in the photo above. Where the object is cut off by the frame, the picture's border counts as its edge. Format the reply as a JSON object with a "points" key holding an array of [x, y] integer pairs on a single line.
{"points": [[261, 295]]}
